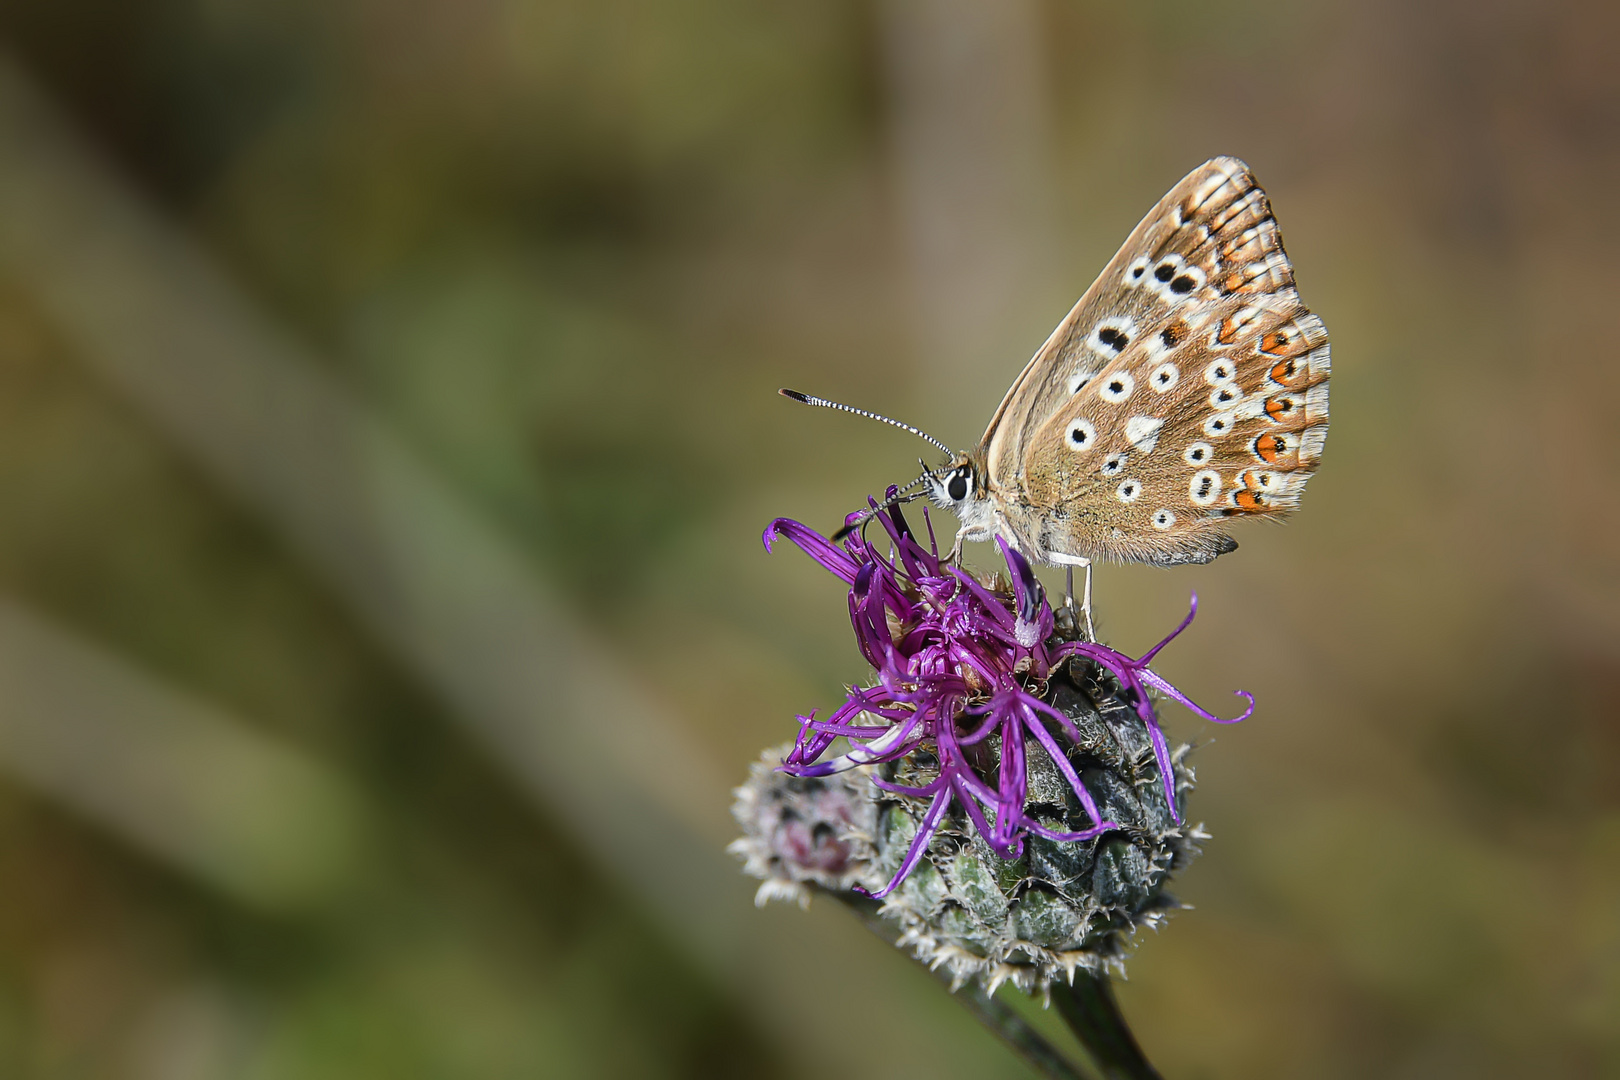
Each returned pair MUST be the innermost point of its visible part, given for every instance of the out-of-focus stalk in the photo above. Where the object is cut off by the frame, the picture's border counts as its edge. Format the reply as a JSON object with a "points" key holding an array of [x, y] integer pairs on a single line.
{"points": [[1087, 1005]]}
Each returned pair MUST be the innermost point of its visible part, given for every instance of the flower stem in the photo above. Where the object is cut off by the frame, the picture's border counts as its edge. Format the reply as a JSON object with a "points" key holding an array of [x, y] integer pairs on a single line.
{"points": [[1002, 1021], [1013, 1030], [1089, 1008]]}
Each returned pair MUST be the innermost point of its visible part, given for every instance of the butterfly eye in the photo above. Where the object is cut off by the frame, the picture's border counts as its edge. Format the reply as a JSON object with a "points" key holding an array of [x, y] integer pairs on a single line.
{"points": [[1223, 396], [1112, 464], [1218, 425], [1128, 491], [1082, 433], [1163, 519], [957, 488], [1219, 371], [1197, 453], [1135, 272], [1165, 271]]}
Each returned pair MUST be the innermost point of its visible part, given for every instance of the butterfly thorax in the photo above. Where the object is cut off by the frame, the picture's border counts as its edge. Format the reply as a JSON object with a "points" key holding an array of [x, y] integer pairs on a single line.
{"points": [[1027, 511]]}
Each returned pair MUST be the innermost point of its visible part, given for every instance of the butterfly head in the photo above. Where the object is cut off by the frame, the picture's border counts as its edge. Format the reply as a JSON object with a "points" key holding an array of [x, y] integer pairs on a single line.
{"points": [[953, 485], [960, 488]]}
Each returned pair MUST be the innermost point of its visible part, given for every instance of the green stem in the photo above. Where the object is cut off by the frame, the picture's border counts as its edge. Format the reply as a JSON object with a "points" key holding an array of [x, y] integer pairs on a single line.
{"points": [[1089, 1008], [1013, 1030], [1002, 1021]]}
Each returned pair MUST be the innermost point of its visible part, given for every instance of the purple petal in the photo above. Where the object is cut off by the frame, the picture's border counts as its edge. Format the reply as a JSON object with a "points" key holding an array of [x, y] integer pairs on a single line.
{"points": [[964, 783], [1014, 786], [992, 606], [1167, 775], [994, 718], [1026, 588], [1053, 834], [919, 844], [901, 789], [1061, 760], [813, 544], [1068, 723], [1161, 684], [1147, 657]]}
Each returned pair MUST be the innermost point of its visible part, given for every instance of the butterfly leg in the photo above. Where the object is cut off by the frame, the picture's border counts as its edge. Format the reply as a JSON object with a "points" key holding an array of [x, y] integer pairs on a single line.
{"points": [[1085, 605], [1069, 562], [965, 533]]}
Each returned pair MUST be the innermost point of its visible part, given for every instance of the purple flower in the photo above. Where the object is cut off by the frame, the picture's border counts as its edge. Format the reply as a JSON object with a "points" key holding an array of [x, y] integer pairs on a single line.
{"points": [[958, 663]]}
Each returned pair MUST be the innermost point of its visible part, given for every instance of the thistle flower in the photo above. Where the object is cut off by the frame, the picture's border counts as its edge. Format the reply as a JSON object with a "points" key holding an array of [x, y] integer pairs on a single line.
{"points": [[1059, 908], [1060, 905], [1005, 803], [962, 691], [801, 832]]}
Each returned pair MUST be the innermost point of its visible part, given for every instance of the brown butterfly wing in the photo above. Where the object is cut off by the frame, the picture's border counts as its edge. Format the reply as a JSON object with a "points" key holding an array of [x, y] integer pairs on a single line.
{"points": [[1043, 386], [1187, 387]]}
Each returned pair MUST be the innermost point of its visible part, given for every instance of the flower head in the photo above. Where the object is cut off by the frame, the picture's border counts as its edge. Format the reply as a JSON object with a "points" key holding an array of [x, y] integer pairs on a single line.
{"points": [[800, 832], [1060, 907], [962, 675]]}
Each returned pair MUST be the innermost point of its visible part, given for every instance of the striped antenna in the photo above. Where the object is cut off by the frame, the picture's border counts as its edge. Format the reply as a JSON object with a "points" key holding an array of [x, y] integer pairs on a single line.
{"points": [[903, 495], [825, 404]]}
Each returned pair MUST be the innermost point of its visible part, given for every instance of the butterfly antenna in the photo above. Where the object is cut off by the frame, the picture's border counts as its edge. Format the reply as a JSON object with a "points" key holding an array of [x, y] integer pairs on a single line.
{"points": [[825, 404], [903, 495]]}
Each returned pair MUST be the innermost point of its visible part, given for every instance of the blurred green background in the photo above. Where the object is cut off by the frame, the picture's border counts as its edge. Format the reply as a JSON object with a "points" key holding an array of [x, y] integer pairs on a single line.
{"points": [[387, 427]]}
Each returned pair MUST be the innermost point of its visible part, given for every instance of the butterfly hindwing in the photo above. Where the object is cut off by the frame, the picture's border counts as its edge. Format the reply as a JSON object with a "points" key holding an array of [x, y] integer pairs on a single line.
{"points": [[1188, 386]]}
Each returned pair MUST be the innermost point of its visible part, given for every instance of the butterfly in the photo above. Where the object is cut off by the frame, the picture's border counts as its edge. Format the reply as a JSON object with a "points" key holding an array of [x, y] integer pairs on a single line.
{"points": [[1187, 388]]}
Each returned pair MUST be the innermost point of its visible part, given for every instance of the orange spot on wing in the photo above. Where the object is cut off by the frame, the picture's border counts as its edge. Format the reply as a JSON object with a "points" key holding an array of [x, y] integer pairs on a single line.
{"points": [[1247, 500], [1284, 372], [1266, 447], [1278, 407], [1275, 343], [1229, 329]]}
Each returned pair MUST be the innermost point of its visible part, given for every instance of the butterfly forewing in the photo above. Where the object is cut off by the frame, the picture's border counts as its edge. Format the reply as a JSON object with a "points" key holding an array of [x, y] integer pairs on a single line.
{"points": [[1187, 387]]}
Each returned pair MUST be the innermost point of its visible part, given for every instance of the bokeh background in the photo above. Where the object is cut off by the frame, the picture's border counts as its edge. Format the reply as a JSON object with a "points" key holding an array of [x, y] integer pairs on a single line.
{"points": [[387, 426]]}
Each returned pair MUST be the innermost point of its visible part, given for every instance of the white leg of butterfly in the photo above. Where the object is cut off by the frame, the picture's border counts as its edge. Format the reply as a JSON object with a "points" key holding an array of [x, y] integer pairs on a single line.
{"points": [[975, 533], [1071, 561]]}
